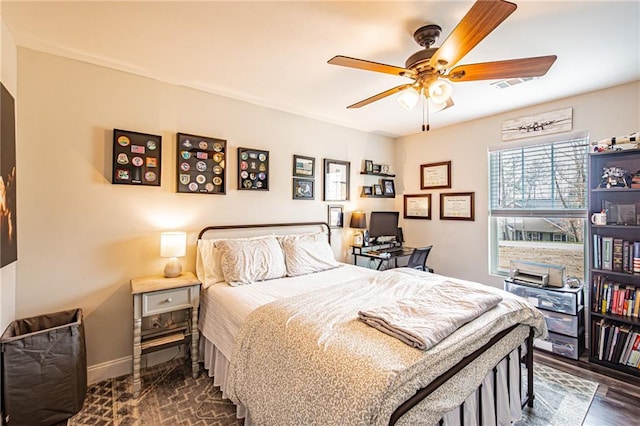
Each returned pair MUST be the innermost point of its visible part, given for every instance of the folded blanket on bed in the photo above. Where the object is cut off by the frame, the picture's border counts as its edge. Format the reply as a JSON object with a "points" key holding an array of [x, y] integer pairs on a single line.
{"points": [[423, 321]]}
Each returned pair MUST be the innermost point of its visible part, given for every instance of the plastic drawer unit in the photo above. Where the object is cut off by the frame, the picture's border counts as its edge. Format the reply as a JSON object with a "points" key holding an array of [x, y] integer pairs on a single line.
{"points": [[569, 347], [569, 325], [565, 300]]}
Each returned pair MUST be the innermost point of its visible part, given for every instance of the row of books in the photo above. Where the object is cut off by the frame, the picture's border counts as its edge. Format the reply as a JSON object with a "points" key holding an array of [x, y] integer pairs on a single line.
{"points": [[609, 297], [616, 343], [616, 254]]}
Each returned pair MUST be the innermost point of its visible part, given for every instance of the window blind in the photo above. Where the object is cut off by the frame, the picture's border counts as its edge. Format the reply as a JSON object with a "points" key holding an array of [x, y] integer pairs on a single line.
{"points": [[546, 180]]}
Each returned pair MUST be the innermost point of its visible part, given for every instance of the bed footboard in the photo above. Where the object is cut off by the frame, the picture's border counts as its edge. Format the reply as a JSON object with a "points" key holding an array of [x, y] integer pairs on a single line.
{"points": [[429, 389]]}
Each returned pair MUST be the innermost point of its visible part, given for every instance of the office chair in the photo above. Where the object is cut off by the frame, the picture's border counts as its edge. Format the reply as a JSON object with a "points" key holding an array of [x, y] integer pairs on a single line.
{"points": [[418, 259]]}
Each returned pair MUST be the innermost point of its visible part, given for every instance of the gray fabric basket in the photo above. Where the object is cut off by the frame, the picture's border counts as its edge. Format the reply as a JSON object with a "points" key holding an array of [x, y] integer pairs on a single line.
{"points": [[44, 368]]}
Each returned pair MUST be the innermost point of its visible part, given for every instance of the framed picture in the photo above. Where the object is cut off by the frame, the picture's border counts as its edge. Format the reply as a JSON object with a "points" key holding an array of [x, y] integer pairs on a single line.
{"points": [[435, 175], [336, 180], [388, 187], [201, 164], [303, 166], [303, 189], [368, 166], [336, 216], [376, 168], [136, 158], [367, 191], [377, 190], [457, 206], [253, 169], [417, 206]]}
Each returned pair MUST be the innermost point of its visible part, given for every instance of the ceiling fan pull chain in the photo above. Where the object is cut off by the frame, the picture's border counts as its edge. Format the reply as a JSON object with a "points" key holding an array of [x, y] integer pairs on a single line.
{"points": [[425, 100]]}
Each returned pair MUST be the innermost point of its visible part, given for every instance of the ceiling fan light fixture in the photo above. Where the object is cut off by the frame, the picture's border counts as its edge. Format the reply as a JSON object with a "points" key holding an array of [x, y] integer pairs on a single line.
{"points": [[440, 91], [408, 98]]}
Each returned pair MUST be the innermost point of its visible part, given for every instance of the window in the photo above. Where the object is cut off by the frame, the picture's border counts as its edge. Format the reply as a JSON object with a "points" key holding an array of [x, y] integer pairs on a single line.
{"points": [[538, 204]]}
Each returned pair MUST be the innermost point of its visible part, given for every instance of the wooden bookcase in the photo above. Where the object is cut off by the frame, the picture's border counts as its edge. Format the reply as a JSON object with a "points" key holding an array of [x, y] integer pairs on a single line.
{"points": [[611, 337]]}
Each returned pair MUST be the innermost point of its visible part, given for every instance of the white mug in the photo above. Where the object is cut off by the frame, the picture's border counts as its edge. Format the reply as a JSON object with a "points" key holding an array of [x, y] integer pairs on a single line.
{"points": [[599, 218]]}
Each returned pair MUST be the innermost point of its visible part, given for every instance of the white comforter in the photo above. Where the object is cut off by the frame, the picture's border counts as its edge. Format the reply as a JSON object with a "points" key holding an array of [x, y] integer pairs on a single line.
{"points": [[308, 360]]}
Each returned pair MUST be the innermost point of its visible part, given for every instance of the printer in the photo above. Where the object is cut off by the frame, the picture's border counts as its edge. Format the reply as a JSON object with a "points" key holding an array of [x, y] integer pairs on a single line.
{"points": [[537, 274]]}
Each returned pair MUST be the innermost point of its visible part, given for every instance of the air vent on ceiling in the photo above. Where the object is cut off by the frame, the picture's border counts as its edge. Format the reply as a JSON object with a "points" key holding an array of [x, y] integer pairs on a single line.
{"points": [[503, 84]]}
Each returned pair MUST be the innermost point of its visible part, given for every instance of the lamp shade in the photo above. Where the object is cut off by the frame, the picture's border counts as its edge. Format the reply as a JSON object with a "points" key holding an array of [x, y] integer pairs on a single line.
{"points": [[358, 220], [408, 98], [173, 244], [440, 91]]}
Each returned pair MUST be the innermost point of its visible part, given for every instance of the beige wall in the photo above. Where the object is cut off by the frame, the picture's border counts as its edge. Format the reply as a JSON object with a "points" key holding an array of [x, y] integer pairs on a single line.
{"points": [[81, 239], [461, 249], [8, 76]]}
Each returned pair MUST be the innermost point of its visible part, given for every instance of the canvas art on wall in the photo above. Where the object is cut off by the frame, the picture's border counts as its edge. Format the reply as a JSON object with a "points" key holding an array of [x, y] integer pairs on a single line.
{"points": [[8, 213]]}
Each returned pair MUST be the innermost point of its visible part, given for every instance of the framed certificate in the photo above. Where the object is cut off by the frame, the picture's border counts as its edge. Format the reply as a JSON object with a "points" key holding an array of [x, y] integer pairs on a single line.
{"points": [[457, 206], [417, 206], [435, 175]]}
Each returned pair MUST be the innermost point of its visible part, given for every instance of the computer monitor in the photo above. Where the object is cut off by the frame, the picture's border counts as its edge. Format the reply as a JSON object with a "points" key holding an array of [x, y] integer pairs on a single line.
{"points": [[383, 224]]}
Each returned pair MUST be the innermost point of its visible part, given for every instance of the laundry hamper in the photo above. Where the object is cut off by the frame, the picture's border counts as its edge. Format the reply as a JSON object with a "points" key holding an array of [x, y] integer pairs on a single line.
{"points": [[44, 368]]}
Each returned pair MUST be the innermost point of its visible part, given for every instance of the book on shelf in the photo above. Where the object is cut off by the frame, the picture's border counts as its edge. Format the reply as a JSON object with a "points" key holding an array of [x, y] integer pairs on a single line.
{"points": [[607, 254], [627, 260], [631, 338], [636, 257], [617, 255], [597, 251]]}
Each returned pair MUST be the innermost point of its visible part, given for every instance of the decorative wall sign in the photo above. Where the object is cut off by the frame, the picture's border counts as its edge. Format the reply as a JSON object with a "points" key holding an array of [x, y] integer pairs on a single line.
{"points": [[336, 180], [253, 169], [457, 206], [201, 164], [435, 175], [538, 124], [417, 206], [136, 158]]}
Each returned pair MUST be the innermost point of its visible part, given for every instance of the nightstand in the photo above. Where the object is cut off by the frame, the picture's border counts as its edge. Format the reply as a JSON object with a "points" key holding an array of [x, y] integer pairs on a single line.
{"points": [[165, 314]]}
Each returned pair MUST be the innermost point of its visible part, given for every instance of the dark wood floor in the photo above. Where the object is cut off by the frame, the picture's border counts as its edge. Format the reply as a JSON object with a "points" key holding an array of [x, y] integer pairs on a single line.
{"points": [[617, 401]]}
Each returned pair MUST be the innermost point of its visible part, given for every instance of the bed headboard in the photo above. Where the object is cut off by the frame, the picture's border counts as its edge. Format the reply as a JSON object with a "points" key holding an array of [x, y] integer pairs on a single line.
{"points": [[253, 230]]}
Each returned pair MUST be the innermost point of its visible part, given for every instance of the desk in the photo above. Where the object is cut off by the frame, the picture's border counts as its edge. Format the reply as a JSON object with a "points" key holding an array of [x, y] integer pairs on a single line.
{"points": [[372, 253]]}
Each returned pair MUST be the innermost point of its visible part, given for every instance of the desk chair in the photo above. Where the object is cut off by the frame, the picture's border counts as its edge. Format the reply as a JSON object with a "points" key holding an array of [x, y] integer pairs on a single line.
{"points": [[418, 259]]}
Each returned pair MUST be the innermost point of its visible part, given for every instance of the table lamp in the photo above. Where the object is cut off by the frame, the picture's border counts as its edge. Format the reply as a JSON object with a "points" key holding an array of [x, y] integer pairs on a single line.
{"points": [[358, 222], [173, 245]]}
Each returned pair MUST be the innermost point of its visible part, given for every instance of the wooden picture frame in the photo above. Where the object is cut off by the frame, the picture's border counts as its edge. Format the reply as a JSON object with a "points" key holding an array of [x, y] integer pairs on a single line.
{"points": [[253, 169], [457, 206], [367, 191], [388, 188], [200, 164], [377, 190], [335, 217], [417, 206], [368, 166], [303, 166], [435, 175], [336, 180], [137, 158], [303, 189]]}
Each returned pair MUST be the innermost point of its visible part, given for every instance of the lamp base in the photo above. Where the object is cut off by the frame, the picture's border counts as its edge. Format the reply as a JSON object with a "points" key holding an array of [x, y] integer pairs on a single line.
{"points": [[173, 268], [358, 239]]}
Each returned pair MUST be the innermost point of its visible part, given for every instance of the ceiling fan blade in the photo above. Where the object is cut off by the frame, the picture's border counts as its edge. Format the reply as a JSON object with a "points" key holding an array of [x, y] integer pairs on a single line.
{"points": [[346, 61], [498, 70], [381, 95], [483, 17]]}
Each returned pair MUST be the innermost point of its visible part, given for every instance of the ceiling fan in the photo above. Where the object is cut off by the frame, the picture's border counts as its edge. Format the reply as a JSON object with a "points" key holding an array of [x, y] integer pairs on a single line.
{"points": [[431, 67]]}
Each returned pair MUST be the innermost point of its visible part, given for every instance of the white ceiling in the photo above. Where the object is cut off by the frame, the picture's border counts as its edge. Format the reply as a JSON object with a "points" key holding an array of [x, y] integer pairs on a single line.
{"points": [[275, 53]]}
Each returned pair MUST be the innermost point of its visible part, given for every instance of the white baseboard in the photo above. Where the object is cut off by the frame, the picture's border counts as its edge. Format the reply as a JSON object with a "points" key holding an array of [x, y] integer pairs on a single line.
{"points": [[123, 366]]}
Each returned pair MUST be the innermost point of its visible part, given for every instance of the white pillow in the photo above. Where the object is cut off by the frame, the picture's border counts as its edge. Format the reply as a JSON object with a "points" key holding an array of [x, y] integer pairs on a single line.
{"points": [[208, 266], [307, 253], [245, 261]]}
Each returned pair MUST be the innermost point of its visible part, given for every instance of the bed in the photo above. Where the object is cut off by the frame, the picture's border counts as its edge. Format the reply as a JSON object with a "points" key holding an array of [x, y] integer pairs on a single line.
{"points": [[281, 337]]}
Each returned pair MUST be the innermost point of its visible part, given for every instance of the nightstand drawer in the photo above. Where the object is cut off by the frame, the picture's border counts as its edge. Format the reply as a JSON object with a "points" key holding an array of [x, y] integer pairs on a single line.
{"points": [[158, 302]]}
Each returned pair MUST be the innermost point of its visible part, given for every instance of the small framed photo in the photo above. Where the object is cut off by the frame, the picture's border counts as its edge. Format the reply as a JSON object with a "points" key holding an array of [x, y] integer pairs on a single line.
{"points": [[377, 190], [384, 168], [303, 166], [368, 166], [457, 206], [417, 206], [367, 191], [303, 189], [375, 168], [435, 175], [388, 188], [336, 216]]}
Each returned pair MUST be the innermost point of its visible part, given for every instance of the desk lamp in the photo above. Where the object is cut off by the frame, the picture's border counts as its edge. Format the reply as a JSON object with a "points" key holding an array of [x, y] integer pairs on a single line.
{"points": [[358, 222], [173, 245]]}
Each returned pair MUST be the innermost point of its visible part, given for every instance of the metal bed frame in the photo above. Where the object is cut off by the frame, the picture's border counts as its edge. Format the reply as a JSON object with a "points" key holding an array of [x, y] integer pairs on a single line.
{"points": [[422, 393]]}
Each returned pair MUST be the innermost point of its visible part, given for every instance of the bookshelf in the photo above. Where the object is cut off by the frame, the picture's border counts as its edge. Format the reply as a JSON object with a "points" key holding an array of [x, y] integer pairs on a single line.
{"points": [[614, 247]]}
